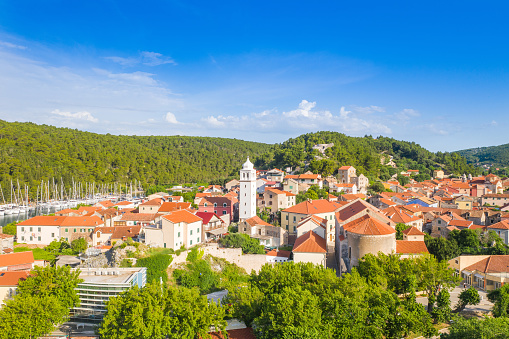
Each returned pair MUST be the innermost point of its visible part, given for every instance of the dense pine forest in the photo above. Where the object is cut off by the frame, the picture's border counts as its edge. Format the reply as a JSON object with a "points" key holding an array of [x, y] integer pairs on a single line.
{"points": [[494, 155], [31, 153], [366, 154]]}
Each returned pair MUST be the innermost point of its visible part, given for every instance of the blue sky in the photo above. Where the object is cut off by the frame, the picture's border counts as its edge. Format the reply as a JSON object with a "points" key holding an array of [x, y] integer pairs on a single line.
{"points": [[431, 72]]}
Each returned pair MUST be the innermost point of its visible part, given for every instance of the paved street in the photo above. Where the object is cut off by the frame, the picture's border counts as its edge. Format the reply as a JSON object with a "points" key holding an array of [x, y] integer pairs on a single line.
{"points": [[484, 306]]}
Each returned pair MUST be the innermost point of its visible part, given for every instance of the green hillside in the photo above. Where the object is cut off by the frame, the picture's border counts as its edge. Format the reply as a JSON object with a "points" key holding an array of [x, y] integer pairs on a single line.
{"points": [[493, 155], [364, 153], [32, 153]]}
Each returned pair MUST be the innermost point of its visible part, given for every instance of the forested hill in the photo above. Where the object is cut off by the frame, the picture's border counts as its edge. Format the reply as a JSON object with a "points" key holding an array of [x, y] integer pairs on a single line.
{"points": [[31, 152], [493, 155], [364, 153]]}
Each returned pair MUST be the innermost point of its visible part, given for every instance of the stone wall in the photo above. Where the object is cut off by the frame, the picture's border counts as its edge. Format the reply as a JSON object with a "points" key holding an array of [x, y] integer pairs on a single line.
{"points": [[248, 262]]}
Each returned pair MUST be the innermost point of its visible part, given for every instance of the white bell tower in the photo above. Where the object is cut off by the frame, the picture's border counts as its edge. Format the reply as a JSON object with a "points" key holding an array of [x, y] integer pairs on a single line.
{"points": [[247, 197]]}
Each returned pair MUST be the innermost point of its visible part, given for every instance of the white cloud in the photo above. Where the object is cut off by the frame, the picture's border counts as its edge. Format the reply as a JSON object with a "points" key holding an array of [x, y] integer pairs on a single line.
{"points": [[144, 58], [170, 117], [78, 115], [304, 110], [11, 45], [368, 109]]}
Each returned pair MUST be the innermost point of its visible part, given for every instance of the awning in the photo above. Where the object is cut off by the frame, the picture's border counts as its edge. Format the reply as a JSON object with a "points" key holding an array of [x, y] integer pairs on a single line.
{"points": [[218, 231], [466, 273], [479, 276]]}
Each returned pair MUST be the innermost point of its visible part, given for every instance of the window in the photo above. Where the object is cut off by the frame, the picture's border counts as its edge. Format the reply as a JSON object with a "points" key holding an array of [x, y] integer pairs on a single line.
{"points": [[215, 211], [178, 234], [22, 238], [294, 218], [287, 217], [31, 238], [38, 229], [52, 235], [66, 230], [38, 238], [75, 230], [291, 187], [197, 230], [215, 204], [31, 229], [205, 205], [294, 228], [190, 242], [439, 221], [198, 240], [22, 229], [224, 204], [224, 212], [190, 232], [164, 245]]}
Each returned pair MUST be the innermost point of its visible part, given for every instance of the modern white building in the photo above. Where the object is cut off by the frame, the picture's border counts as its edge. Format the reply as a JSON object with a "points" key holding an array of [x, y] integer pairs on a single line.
{"points": [[99, 285], [247, 196]]}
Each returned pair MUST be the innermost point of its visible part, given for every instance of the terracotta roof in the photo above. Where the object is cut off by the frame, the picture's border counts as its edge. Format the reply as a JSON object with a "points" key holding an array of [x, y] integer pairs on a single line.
{"points": [[452, 228], [47, 220], [412, 231], [206, 216], [87, 221], [387, 201], [310, 242], [355, 207], [106, 203], [139, 216], [313, 207], [66, 211], [182, 216], [105, 230], [6, 236], [410, 247], [276, 253], [153, 202], [276, 191], [308, 176], [315, 219], [291, 176], [504, 224], [368, 225], [18, 258], [398, 216], [343, 168], [203, 195], [219, 200], [495, 196], [492, 264], [174, 206], [460, 223], [475, 227], [350, 196], [12, 278], [124, 203], [88, 209], [121, 232], [256, 220]]}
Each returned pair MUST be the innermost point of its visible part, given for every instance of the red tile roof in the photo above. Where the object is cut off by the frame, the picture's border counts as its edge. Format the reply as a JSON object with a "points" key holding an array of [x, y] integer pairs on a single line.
{"points": [[6, 236], [174, 206], [412, 231], [504, 225], [206, 216], [460, 223], [12, 278], [139, 216], [18, 258], [106, 203], [256, 220], [182, 216], [314, 207], [314, 219], [410, 247], [492, 264], [121, 232], [310, 242], [276, 253], [368, 225], [47, 220]]}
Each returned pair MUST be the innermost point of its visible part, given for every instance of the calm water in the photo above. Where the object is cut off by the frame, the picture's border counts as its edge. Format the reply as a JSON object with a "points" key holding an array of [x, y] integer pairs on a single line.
{"points": [[6, 219]]}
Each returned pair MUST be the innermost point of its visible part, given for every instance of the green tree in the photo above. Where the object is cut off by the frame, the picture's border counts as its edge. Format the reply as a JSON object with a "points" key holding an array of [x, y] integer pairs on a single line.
{"points": [[79, 245], [400, 227], [377, 187], [244, 241], [442, 248], [442, 313], [156, 266], [469, 296], [31, 316], [488, 328], [157, 311], [10, 228], [53, 281], [500, 298]]}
